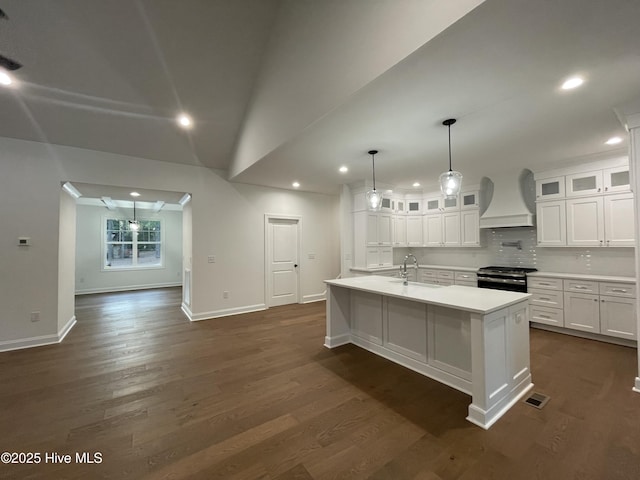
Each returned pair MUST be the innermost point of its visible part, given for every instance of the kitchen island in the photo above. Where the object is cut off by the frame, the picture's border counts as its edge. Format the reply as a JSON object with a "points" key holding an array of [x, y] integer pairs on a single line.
{"points": [[474, 340]]}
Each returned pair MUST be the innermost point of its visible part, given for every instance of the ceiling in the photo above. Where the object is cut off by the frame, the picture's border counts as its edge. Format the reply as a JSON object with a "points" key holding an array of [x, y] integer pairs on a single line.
{"points": [[283, 90]]}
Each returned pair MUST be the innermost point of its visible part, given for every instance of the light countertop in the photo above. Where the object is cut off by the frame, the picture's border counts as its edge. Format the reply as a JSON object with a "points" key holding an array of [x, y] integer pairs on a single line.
{"points": [[470, 299]]}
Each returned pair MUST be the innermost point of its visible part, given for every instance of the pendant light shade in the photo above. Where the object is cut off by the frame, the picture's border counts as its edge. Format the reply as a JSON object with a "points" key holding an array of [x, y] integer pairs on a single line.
{"points": [[451, 181], [373, 197], [134, 226]]}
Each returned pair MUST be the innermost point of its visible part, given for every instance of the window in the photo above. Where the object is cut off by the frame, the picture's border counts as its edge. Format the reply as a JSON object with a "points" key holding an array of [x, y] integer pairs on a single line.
{"points": [[125, 248]]}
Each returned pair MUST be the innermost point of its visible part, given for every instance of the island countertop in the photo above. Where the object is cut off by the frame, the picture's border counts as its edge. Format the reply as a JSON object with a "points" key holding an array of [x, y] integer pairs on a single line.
{"points": [[470, 299]]}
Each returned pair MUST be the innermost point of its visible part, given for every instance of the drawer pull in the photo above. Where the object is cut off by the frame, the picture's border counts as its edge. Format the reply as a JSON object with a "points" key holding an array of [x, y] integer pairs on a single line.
{"points": [[580, 287], [544, 283], [619, 290], [545, 299], [544, 316]]}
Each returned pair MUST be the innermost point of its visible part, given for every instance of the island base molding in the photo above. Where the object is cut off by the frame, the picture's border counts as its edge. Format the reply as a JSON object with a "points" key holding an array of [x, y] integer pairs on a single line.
{"points": [[484, 355]]}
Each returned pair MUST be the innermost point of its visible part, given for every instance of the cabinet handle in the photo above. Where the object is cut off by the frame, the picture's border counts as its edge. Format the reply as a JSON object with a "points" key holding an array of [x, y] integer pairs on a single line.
{"points": [[580, 287], [619, 290], [595, 299], [599, 189], [608, 242], [601, 241], [543, 316], [543, 283], [606, 189], [602, 301], [545, 299]]}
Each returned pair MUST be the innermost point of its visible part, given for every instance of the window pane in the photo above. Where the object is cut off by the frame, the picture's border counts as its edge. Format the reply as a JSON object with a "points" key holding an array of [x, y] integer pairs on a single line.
{"points": [[119, 255], [149, 254]]}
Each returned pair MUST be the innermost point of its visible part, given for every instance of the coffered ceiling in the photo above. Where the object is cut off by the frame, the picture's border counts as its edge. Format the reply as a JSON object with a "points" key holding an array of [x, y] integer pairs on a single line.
{"points": [[284, 90]]}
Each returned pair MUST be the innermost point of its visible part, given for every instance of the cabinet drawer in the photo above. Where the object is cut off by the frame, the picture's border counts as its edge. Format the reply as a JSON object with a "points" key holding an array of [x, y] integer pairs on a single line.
{"points": [[466, 283], [580, 286], [618, 289], [444, 274], [545, 282], [445, 281], [465, 277], [546, 298], [546, 315]]}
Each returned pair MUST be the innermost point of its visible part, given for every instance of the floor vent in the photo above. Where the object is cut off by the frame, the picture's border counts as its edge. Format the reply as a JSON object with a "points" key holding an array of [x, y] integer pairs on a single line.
{"points": [[537, 400]]}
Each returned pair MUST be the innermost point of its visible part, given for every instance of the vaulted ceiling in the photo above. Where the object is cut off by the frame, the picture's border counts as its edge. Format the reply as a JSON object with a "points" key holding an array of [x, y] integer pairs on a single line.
{"points": [[284, 90]]}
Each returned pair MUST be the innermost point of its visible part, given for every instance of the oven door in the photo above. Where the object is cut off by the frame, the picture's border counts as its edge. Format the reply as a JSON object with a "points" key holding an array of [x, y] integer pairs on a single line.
{"points": [[495, 282]]}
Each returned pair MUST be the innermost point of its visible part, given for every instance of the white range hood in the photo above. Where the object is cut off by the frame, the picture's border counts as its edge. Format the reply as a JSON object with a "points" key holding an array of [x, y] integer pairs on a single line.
{"points": [[512, 202]]}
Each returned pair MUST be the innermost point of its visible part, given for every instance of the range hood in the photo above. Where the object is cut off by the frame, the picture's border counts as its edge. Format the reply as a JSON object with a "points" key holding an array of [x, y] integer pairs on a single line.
{"points": [[511, 199]]}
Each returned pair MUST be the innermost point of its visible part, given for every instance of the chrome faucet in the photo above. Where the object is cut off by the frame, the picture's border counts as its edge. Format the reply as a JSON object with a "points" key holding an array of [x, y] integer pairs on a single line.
{"points": [[403, 269]]}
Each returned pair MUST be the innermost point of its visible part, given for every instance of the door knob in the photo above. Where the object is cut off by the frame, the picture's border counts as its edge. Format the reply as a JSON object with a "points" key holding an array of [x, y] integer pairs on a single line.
{"points": [[295, 265]]}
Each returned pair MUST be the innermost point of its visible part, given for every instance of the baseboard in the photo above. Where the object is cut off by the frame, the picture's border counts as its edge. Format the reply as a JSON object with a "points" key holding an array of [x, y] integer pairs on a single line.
{"points": [[66, 329], [187, 311], [637, 386], [224, 312], [89, 291], [318, 297], [39, 341]]}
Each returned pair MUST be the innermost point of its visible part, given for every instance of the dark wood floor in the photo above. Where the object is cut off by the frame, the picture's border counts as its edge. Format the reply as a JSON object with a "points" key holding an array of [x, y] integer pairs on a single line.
{"points": [[257, 396]]}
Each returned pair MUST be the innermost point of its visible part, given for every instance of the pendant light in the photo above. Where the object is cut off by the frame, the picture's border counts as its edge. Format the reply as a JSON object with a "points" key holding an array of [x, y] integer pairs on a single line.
{"points": [[134, 226], [451, 181], [373, 197]]}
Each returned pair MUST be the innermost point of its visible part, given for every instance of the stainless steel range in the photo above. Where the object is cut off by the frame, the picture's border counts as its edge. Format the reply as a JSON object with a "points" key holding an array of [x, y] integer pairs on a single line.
{"points": [[513, 279]]}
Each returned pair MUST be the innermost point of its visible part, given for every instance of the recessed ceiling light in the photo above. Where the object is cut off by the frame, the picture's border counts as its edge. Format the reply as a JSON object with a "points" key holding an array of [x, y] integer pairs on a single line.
{"points": [[388, 191], [184, 120], [295, 184], [572, 83], [416, 184], [134, 194], [613, 141], [5, 79], [343, 169]]}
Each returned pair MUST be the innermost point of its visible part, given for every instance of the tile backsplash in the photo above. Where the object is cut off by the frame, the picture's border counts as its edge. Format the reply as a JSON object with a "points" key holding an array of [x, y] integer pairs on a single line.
{"points": [[499, 249]]}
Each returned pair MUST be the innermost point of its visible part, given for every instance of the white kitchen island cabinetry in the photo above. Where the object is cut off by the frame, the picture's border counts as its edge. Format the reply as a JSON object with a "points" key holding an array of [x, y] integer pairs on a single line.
{"points": [[474, 340]]}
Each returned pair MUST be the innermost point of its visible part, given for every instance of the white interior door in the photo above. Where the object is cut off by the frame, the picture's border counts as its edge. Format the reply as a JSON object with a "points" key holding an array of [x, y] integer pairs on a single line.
{"points": [[282, 252]]}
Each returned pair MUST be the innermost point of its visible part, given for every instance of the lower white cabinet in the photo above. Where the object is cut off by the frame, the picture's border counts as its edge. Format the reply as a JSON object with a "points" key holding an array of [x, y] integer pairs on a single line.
{"points": [[606, 308], [618, 317], [582, 312]]}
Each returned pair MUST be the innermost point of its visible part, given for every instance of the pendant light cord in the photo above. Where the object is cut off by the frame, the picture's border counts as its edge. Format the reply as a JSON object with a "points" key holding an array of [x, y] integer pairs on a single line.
{"points": [[449, 127], [373, 160]]}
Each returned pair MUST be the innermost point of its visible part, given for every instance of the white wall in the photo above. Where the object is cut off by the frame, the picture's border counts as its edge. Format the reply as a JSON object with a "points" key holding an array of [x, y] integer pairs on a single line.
{"points": [[228, 221], [92, 278], [66, 263]]}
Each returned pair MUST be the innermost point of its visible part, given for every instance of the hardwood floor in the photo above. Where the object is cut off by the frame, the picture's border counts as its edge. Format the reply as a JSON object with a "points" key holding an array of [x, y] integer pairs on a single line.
{"points": [[257, 396]]}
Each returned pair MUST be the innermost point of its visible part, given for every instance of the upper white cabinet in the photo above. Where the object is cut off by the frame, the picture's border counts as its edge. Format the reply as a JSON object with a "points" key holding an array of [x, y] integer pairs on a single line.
{"points": [[450, 204], [585, 222], [550, 188], [432, 230], [469, 200], [470, 228], [414, 231], [451, 228], [387, 204], [616, 179], [580, 184], [432, 205], [586, 207], [619, 220], [379, 229], [399, 231], [414, 207], [551, 223]]}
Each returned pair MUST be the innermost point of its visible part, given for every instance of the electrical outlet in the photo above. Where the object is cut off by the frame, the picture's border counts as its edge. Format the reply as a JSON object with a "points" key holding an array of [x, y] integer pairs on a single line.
{"points": [[35, 316], [312, 256], [211, 259], [225, 294]]}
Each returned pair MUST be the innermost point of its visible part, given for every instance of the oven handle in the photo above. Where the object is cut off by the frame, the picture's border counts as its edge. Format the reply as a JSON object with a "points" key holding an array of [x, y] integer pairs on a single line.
{"points": [[511, 281]]}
